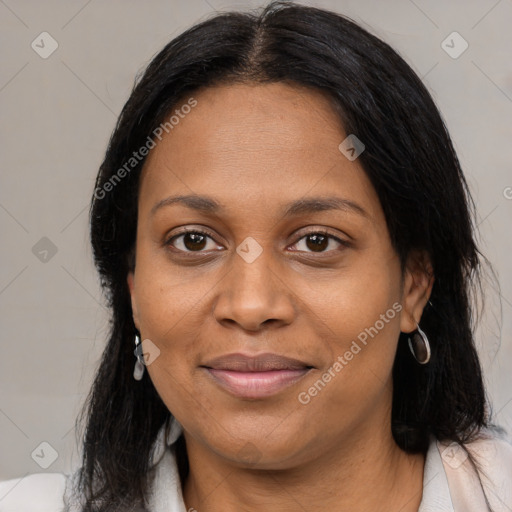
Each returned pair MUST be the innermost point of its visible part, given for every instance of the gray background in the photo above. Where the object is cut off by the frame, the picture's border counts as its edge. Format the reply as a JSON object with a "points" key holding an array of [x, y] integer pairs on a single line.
{"points": [[57, 116]]}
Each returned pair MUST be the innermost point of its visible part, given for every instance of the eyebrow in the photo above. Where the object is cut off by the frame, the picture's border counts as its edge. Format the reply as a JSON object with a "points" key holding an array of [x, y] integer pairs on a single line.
{"points": [[208, 205]]}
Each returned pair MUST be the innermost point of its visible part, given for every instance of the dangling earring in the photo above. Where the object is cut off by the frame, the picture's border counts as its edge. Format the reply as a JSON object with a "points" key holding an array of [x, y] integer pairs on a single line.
{"points": [[138, 371], [419, 345]]}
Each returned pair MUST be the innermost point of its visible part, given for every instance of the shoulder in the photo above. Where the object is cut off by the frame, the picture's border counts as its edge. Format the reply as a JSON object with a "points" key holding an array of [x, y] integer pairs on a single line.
{"points": [[38, 492], [492, 453], [484, 463]]}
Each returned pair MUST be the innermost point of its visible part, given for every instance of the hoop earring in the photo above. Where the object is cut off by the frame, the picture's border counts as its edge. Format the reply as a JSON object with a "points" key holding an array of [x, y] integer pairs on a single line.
{"points": [[420, 347], [138, 370]]}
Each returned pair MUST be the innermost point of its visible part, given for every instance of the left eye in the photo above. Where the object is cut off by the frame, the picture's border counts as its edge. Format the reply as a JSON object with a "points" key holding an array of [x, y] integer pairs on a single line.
{"points": [[319, 241]]}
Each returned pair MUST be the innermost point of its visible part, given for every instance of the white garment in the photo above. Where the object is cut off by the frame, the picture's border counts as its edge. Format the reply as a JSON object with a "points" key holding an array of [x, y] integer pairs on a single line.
{"points": [[450, 483]]}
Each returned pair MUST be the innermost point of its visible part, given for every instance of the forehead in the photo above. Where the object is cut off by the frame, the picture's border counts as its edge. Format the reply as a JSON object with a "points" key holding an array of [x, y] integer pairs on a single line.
{"points": [[246, 142]]}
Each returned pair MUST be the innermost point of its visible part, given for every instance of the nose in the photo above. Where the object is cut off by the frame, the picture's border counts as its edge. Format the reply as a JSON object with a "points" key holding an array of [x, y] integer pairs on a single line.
{"points": [[253, 295]]}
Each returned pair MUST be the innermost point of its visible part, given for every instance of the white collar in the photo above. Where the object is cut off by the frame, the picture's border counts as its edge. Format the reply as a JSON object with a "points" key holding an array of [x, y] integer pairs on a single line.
{"points": [[436, 493], [165, 494]]}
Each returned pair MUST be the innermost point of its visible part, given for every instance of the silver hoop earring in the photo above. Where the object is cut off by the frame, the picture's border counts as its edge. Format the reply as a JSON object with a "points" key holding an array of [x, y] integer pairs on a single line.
{"points": [[138, 371], [419, 345]]}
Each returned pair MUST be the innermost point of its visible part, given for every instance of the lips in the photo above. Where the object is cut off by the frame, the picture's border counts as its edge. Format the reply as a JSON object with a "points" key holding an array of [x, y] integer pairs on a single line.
{"points": [[254, 377], [260, 363]]}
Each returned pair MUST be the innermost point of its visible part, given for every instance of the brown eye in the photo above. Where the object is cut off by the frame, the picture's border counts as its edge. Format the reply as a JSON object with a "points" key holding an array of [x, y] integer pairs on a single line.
{"points": [[194, 241], [191, 241], [319, 242]]}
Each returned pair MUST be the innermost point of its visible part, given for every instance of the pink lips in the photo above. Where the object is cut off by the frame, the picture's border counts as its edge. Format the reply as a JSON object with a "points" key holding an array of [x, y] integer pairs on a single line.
{"points": [[255, 376]]}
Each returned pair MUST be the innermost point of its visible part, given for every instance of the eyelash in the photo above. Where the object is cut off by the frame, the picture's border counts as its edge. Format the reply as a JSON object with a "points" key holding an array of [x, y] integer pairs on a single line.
{"points": [[325, 233]]}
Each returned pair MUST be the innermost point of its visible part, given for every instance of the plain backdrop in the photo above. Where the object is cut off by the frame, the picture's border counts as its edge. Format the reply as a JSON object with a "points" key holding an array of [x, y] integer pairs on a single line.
{"points": [[58, 113]]}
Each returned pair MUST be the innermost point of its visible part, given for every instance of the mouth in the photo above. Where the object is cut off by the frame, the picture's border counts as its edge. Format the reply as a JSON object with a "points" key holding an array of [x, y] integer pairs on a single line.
{"points": [[256, 377]]}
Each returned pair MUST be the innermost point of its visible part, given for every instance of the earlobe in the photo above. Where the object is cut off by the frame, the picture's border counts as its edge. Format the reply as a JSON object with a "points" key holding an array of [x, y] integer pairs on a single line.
{"points": [[417, 287]]}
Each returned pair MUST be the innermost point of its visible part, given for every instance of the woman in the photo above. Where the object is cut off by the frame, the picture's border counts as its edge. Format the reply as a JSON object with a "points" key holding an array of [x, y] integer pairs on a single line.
{"points": [[285, 237]]}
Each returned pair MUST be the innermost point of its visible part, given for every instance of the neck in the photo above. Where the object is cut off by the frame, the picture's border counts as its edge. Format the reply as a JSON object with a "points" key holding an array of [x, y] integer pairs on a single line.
{"points": [[366, 472]]}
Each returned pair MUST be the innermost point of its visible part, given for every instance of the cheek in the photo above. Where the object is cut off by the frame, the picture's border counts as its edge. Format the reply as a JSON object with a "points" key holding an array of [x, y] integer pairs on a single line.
{"points": [[168, 307], [167, 318], [362, 309], [355, 298], [168, 297], [170, 318], [356, 382]]}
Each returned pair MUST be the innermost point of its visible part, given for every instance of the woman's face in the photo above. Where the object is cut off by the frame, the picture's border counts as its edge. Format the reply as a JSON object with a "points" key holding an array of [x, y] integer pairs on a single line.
{"points": [[287, 255]]}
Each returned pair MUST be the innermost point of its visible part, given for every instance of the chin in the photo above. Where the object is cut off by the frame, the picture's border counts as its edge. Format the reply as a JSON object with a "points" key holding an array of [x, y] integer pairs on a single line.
{"points": [[263, 452]]}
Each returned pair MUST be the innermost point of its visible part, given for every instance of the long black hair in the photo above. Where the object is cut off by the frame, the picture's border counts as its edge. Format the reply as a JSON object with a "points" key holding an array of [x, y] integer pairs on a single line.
{"points": [[411, 163]]}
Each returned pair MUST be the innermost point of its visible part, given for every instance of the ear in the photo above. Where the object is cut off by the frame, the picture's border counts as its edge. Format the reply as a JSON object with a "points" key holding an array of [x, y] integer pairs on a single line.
{"points": [[417, 287], [130, 279]]}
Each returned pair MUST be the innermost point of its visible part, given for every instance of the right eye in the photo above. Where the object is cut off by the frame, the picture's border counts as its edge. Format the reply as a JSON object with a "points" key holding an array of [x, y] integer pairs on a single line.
{"points": [[190, 240]]}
